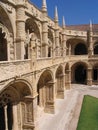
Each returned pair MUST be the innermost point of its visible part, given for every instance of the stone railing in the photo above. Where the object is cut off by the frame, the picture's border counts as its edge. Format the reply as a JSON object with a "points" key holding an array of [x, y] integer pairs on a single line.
{"points": [[43, 63], [12, 69], [78, 57], [76, 33], [48, 62]]}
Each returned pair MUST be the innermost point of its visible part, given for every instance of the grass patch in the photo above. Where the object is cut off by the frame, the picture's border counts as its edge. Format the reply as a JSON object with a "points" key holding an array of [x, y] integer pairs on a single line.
{"points": [[88, 119]]}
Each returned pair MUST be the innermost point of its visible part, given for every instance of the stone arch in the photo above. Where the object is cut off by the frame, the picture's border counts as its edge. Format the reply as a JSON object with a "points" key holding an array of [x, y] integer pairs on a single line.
{"points": [[75, 43], [45, 90], [14, 94], [32, 34], [80, 49], [59, 82], [79, 73], [96, 48]]}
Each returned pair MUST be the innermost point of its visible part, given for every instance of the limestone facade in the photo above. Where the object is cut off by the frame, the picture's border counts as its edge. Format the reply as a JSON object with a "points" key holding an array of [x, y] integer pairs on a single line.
{"points": [[38, 61]]}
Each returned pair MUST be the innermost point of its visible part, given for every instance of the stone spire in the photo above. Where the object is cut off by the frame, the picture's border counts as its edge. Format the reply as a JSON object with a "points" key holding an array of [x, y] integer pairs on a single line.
{"points": [[91, 26], [56, 15], [63, 23], [44, 6]]}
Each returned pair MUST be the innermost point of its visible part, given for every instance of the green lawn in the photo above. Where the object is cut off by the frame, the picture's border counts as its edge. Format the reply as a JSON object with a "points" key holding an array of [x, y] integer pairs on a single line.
{"points": [[89, 114]]}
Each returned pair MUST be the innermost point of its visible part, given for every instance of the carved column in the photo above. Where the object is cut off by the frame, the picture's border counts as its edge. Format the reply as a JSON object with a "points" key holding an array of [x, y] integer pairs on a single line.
{"points": [[89, 76], [45, 38], [64, 43], [15, 118], [20, 30], [69, 50], [68, 79], [50, 96], [90, 42], [60, 84], [29, 121], [6, 119]]}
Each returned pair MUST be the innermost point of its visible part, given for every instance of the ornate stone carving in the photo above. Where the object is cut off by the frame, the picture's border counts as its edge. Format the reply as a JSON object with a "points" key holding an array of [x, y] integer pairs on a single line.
{"points": [[9, 8]]}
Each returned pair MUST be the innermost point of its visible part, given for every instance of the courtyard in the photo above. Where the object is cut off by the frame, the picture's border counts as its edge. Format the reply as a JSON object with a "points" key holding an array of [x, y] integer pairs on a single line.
{"points": [[68, 109]]}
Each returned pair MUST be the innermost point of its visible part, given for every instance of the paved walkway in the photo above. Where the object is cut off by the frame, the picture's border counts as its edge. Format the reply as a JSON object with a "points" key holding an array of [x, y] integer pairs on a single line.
{"points": [[67, 109]]}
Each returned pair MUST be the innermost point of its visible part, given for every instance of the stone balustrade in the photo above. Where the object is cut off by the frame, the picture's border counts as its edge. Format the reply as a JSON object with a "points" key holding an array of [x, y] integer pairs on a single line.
{"points": [[12, 69]]}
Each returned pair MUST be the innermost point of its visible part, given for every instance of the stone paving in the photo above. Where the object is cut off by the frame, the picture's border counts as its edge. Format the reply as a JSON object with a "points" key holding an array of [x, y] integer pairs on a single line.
{"points": [[67, 109]]}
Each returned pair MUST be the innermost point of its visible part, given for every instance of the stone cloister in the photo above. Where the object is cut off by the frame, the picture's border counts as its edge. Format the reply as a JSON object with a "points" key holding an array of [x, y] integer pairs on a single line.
{"points": [[39, 60]]}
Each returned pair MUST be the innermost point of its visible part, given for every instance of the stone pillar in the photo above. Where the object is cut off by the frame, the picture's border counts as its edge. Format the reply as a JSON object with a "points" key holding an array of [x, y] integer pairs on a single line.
{"points": [[45, 38], [60, 88], [64, 38], [20, 30], [68, 79], [57, 42], [89, 76], [44, 30], [56, 33], [90, 41], [6, 119], [15, 117], [90, 49], [64, 44], [8, 49], [50, 96], [30, 121], [69, 50]]}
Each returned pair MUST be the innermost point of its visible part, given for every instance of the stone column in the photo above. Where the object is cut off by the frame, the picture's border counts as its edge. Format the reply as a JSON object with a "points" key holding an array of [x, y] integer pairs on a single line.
{"points": [[89, 76], [56, 42], [15, 117], [50, 96], [69, 50], [64, 38], [45, 38], [20, 30], [60, 88], [90, 43], [64, 43], [6, 119], [30, 121], [68, 79], [8, 49], [56, 33]]}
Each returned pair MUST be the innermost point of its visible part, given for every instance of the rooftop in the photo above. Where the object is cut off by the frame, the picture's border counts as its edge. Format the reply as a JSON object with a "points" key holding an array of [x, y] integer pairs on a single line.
{"points": [[82, 27]]}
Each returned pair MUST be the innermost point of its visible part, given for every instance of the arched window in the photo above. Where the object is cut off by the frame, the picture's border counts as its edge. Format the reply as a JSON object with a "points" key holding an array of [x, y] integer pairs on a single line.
{"points": [[80, 74], [3, 46], [80, 49]]}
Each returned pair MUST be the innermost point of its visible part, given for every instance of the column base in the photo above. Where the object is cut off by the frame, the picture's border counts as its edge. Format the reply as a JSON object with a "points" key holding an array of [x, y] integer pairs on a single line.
{"points": [[60, 94], [29, 126], [89, 82], [50, 107], [68, 85]]}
